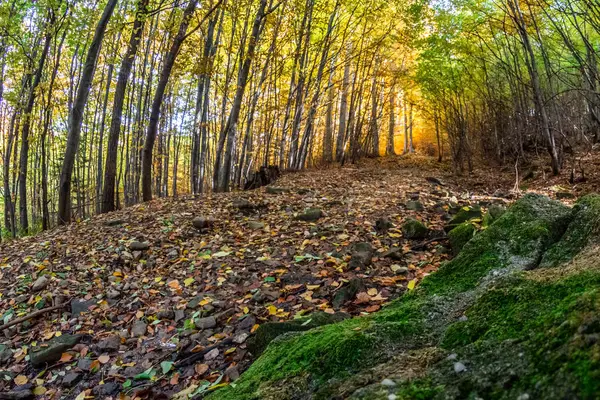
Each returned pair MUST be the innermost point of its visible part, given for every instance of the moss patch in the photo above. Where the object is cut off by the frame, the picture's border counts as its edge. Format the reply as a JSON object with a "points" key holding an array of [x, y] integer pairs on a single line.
{"points": [[584, 229], [460, 235]]}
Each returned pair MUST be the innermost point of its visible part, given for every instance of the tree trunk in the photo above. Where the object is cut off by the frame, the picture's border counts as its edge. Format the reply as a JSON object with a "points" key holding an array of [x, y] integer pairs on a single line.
{"points": [[76, 117], [158, 99], [24, 155]]}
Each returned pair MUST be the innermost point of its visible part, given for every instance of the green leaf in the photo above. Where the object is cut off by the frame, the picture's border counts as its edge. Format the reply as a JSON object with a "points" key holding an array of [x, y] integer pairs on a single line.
{"points": [[270, 279], [166, 366], [146, 375], [127, 384], [221, 254]]}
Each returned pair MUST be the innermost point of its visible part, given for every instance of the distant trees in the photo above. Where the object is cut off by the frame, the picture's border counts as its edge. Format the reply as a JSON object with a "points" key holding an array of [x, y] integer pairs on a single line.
{"points": [[109, 104]]}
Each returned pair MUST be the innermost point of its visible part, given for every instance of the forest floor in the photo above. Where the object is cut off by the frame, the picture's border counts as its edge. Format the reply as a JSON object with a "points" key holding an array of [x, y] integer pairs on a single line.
{"points": [[146, 304]]}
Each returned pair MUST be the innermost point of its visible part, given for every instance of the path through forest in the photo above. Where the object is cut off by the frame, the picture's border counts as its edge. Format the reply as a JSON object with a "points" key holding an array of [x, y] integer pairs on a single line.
{"points": [[166, 294]]}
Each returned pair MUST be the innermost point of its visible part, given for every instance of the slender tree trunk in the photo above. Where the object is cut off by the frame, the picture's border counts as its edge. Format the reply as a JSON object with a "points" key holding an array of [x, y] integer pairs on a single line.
{"points": [[390, 148], [76, 117], [230, 129], [158, 99], [27, 113], [110, 168]]}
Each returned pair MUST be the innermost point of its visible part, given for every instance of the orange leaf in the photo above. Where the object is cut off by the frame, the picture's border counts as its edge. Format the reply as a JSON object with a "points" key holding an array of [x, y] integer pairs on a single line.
{"points": [[66, 357], [201, 369]]}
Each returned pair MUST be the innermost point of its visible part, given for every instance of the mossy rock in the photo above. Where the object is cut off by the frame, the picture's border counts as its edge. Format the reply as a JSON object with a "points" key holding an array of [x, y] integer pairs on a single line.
{"points": [[494, 212], [266, 333], [467, 213], [585, 229], [460, 236], [52, 350], [310, 215], [339, 360], [413, 229]]}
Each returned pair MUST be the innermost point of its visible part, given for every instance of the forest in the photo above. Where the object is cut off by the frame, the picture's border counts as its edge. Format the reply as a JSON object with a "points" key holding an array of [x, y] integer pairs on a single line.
{"points": [[299, 199], [104, 104]]}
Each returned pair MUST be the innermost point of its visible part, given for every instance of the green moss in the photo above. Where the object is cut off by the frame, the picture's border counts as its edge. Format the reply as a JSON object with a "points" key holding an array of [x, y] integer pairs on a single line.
{"points": [[586, 227], [460, 235], [413, 229], [463, 215]]}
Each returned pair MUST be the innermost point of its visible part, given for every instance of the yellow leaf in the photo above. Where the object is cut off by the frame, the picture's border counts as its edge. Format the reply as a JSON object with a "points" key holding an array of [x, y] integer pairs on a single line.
{"points": [[411, 284], [313, 287], [230, 350], [139, 314], [254, 328], [372, 292], [158, 279], [189, 281], [39, 390], [246, 310], [272, 310], [21, 380]]}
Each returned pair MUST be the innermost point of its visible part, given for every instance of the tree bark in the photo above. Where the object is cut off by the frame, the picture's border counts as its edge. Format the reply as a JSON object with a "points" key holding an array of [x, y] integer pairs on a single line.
{"points": [[110, 168], [76, 116]]}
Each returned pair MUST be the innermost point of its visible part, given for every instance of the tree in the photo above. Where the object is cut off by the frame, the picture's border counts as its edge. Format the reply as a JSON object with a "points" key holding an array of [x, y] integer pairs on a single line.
{"points": [[76, 115]]}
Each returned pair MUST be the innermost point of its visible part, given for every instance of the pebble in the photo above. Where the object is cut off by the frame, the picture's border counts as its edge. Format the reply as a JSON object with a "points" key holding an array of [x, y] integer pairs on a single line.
{"points": [[388, 382], [211, 355], [459, 367], [40, 283], [205, 323], [139, 329]]}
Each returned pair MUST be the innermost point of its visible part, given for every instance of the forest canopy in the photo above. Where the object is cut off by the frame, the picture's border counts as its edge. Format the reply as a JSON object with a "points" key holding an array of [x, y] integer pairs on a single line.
{"points": [[105, 104]]}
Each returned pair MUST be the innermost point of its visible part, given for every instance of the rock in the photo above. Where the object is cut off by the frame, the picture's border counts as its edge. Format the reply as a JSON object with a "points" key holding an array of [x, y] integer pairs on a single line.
{"points": [[40, 283], [17, 395], [277, 190], [113, 294], [564, 195], [266, 333], [165, 314], [71, 379], [388, 383], [348, 292], [394, 253], [5, 354], [194, 302], [84, 364], [173, 254], [434, 181], [111, 343], [107, 389], [460, 236], [383, 224], [399, 270], [247, 323], [255, 225], [240, 337], [139, 246], [53, 349], [139, 328], [232, 372], [459, 367], [362, 253], [243, 204], [202, 223], [205, 323], [414, 205], [179, 315], [310, 215], [413, 229], [211, 355], [114, 222], [79, 306], [463, 215]]}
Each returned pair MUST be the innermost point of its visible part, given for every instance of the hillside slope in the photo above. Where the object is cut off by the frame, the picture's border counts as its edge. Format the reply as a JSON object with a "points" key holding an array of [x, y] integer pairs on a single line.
{"points": [[514, 316]]}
